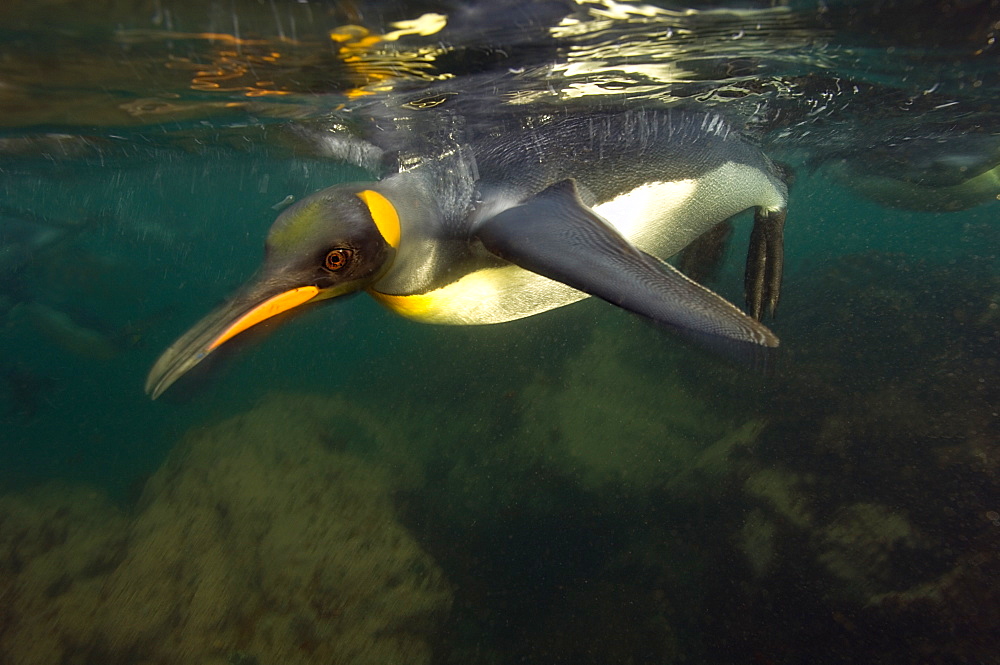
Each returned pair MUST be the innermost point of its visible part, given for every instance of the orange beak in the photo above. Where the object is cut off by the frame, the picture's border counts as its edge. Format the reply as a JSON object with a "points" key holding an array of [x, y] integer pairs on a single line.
{"points": [[244, 311]]}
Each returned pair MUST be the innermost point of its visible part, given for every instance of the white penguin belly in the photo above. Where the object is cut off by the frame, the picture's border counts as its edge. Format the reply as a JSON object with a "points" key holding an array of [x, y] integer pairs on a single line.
{"points": [[651, 216], [660, 218]]}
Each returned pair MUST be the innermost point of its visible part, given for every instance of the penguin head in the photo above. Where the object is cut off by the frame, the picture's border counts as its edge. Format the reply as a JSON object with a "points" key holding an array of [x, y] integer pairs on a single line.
{"points": [[334, 242], [340, 240]]}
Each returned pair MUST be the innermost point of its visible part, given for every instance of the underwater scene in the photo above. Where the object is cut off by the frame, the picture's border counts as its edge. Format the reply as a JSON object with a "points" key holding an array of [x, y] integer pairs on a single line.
{"points": [[298, 364]]}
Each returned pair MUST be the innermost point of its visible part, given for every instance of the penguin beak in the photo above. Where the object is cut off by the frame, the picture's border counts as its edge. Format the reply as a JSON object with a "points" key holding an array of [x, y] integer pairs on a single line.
{"points": [[257, 303]]}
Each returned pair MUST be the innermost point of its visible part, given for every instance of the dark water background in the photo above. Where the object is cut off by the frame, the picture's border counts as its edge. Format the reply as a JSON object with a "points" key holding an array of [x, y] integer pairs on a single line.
{"points": [[581, 487]]}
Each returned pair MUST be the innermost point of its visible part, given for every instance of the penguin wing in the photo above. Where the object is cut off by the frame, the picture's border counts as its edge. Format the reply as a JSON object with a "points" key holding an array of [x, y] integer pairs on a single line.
{"points": [[555, 235]]}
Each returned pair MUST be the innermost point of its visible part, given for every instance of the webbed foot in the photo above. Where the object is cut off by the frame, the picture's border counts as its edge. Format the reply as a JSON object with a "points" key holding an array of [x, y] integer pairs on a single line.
{"points": [[765, 261]]}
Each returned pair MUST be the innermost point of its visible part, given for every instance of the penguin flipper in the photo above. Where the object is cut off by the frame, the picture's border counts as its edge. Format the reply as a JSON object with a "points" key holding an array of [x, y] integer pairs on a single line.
{"points": [[553, 234], [765, 262]]}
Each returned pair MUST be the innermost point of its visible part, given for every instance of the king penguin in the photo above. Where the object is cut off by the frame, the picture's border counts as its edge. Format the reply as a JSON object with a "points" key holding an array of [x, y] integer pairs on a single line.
{"points": [[520, 216]]}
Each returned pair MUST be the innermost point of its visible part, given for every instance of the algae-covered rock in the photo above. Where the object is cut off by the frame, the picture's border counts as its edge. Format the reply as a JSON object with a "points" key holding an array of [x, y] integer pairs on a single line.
{"points": [[782, 490], [613, 420], [260, 540], [954, 617], [57, 545], [785, 506], [858, 545], [861, 545], [757, 541]]}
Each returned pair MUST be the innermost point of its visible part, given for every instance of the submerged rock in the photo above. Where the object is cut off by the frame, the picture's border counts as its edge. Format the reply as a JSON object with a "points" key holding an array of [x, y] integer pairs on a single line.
{"points": [[782, 490], [614, 421], [861, 541], [57, 546], [258, 541]]}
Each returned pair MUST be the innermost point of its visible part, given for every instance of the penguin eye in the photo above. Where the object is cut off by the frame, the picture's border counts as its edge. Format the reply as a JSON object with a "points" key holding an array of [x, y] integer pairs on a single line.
{"points": [[337, 258]]}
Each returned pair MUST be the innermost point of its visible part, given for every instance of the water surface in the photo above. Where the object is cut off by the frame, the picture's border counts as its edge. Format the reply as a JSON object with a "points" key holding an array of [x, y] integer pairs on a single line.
{"points": [[576, 487]]}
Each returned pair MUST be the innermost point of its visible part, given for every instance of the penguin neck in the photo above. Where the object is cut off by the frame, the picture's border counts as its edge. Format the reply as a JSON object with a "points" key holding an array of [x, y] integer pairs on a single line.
{"points": [[414, 202], [422, 225]]}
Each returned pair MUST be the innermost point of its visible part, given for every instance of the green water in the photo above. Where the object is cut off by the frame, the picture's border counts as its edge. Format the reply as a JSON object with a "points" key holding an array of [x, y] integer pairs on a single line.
{"points": [[576, 487]]}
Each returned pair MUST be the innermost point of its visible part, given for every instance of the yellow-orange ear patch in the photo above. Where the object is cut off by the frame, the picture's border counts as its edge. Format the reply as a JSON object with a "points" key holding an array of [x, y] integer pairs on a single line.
{"points": [[384, 215]]}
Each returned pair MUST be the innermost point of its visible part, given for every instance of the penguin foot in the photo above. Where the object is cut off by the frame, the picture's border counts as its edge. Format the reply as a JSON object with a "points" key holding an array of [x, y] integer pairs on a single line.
{"points": [[765, 262], [701, 259]]}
